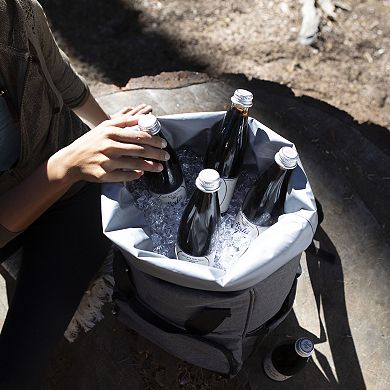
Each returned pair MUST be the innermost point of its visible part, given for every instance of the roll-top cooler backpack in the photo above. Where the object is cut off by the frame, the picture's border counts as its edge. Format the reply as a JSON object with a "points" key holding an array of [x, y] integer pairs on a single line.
{"points": [[203, 315]]}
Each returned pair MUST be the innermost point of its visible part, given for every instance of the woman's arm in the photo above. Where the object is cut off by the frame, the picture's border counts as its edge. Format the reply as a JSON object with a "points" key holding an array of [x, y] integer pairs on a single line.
{"points": [[24, 203], [111, 152], [92, 113]]}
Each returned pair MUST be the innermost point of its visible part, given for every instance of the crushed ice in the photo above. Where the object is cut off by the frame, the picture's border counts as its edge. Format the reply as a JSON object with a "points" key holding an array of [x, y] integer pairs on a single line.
{"points": [[164, 219]]}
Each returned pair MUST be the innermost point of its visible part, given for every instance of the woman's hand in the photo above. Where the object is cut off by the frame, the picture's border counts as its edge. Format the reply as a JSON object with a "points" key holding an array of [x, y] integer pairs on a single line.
{"points": [[132, 111], [111, 152]]}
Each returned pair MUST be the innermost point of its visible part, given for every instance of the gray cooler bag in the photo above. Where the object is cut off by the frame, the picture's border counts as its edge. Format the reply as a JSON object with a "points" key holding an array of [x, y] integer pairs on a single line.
{"points": [[203, 315]]}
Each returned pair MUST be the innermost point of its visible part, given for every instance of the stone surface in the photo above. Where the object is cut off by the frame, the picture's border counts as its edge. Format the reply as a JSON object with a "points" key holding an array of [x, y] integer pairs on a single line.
{"points": [[342, 301], [166, 80]]}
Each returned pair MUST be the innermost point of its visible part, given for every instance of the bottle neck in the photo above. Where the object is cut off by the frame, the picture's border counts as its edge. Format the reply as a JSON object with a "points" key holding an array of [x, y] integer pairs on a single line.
{"points": [[265, 200], [205, 190], [155, 131], [204, 200], [244, 111], [278, 171], [277, 187], [152, 130]]}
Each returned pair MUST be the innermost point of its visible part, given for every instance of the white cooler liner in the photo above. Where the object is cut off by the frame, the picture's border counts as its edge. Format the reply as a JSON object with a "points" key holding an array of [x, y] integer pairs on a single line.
{"points": [[126, 226]]}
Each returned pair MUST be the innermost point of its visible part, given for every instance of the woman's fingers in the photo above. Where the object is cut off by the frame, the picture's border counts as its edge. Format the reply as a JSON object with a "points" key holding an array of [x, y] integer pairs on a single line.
{"points": [[121, 121], [131, 163], [131, 135], [130, 113], [140, 110], [130, 110], [123, 111], [118, 149], [119, 176], [113, 146]]}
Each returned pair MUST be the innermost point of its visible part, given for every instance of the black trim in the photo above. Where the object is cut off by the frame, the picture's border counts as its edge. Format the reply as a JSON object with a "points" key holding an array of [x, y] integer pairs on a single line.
{"points": [[320, 211], [206, 320]]}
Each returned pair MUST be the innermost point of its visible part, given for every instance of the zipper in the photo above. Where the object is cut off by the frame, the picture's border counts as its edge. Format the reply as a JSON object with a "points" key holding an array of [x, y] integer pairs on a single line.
{"points": [[252, 296], [29, 59], [261, 330], [281, 314], [22, 152]]}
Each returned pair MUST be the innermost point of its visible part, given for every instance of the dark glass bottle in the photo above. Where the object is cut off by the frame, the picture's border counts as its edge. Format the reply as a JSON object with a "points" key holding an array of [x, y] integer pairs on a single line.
{"points": [[199, 225], [168, 185], [264, 202], [287, 359], [229, 139]]}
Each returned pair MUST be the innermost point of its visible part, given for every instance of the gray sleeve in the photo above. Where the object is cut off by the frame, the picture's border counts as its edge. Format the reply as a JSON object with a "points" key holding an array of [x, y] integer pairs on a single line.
{"points": [[71, 86], [6, 236]]}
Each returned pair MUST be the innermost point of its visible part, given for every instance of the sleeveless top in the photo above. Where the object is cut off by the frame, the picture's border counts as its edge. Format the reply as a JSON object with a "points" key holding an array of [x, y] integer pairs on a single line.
{"points": [[9, 138]]}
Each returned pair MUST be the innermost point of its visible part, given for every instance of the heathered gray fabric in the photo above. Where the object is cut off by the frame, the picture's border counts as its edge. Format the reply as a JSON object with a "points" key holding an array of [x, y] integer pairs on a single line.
{"points": [[250, 309], [182, 346], [43, 86]]}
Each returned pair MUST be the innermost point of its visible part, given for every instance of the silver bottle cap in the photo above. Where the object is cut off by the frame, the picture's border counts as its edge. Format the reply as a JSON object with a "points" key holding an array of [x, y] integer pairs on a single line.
{"points": [[149, 123], [208, 180], [304, 347], [243, 98], [287, 158]]}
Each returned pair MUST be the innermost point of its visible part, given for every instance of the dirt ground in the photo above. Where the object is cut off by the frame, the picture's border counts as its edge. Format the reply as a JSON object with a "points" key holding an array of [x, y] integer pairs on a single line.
{"points": [[348, 67]]}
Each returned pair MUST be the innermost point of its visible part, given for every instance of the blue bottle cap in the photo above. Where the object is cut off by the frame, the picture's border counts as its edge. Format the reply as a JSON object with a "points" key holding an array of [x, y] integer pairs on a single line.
{"points": [[304, 347]]}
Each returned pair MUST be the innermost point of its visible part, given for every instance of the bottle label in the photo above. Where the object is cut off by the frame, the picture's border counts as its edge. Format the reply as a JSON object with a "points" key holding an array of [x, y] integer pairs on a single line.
{"points": [[243, 226], [225, 193], [175, 197], [204, 260], [271, 371]]}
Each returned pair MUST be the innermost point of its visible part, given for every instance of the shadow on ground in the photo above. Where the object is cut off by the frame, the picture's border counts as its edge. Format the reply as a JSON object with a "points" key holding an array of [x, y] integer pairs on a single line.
{"points": [[327, 281], [112, 40]]}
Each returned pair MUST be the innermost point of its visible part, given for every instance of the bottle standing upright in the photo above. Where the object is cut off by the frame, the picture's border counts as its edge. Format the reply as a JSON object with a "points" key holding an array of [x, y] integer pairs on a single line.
{"points": [[225, 152], [264, 202], [168, 185], [199, 224], [287, 359]]}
